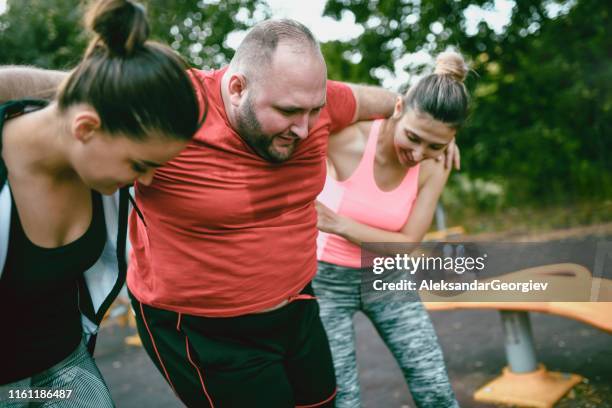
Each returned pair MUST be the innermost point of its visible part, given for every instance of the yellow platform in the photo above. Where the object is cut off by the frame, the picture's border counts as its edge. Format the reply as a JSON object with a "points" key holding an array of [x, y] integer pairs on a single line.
{"points": [[539, 389], [564, 277]]}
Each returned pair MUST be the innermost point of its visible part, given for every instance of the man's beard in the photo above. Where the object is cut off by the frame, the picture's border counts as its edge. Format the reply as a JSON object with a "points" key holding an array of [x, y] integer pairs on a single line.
{"points": [[249, 130]]}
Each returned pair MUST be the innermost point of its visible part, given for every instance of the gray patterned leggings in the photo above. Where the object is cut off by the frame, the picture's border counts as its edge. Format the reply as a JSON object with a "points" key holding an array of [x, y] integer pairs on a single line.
{"points": [[404, 326], [77, 372]]}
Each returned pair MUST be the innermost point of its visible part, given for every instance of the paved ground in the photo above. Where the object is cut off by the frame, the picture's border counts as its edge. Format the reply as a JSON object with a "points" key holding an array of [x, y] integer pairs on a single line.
{"points": [[473, 346]]}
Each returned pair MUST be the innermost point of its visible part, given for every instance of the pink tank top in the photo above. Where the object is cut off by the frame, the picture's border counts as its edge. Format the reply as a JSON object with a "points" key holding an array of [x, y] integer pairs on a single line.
{"points": [[359, 198]]}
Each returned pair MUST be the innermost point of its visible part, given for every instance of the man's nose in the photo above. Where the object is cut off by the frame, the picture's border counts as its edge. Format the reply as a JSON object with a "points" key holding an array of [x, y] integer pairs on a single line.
{"points": [[300, 126]]}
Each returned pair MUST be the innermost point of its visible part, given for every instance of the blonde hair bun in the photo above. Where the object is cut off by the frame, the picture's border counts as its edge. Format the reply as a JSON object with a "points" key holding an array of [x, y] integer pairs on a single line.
{"points": [[451, 63]]}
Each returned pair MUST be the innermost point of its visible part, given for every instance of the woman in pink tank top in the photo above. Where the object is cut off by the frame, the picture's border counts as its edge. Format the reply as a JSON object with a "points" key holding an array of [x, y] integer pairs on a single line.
{"points": [[384, 180]]}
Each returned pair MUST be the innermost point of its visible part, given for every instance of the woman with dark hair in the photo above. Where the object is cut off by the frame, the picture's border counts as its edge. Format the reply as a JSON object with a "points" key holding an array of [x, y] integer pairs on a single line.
{"points": [[382, 186], [127, 108]]}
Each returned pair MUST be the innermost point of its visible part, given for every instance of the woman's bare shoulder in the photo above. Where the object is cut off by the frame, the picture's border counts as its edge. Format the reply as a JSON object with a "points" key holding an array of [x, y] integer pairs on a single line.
{"points": [[350, 139]]}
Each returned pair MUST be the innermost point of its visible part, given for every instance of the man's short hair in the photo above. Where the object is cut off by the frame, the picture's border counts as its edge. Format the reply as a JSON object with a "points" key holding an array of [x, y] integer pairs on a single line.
{"points": [[258, 47]]}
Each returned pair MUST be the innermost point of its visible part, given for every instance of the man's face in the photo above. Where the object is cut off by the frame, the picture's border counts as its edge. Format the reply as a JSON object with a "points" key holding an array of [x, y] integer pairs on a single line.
{"points": [[283, 104]]}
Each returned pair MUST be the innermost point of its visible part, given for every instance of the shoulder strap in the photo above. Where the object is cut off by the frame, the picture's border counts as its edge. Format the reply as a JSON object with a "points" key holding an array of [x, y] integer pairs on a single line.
{"points": [[365, 169], [121, 242], [3, 174]]}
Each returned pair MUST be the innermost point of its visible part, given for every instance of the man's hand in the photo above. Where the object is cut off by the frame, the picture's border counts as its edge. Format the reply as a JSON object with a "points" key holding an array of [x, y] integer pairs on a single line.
{"points": [[451, 156]]}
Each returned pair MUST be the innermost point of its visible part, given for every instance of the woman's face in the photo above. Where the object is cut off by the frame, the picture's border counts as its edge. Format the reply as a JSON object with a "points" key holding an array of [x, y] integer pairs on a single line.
{"points": [[106, 163], [419, 137]]}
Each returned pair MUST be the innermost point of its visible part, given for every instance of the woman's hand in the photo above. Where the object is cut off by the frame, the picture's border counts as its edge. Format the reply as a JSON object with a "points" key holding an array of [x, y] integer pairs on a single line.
{"points": [[327, 220]]}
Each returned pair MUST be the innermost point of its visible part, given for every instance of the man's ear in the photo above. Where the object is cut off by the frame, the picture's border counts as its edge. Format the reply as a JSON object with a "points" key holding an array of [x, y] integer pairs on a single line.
{"points": [[398, 111], [237, 88], [84, 124]]}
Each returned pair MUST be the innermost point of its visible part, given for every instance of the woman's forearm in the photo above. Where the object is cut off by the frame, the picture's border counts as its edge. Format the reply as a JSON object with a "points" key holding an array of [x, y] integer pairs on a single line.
{"points": [[17, 82], [359, 233]]}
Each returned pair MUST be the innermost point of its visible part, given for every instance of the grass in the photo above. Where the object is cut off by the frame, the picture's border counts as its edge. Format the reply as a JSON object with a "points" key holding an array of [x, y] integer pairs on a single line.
{"points": [[530, 219]]}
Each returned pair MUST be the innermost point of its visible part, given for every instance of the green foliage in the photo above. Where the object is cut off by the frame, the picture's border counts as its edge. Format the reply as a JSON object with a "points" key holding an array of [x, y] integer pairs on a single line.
{"points": [[50, 33], [542, 117], [198, 30], [477, 194], [541, 125], [45, 33]]}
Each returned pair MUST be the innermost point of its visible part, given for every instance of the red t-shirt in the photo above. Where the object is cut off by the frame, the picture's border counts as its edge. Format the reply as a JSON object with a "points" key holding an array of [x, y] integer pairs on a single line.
{"points": [[229, 233]]}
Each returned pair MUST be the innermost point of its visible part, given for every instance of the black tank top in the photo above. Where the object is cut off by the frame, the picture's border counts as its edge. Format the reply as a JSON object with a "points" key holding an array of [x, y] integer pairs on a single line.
{"points": [[39, 312]]}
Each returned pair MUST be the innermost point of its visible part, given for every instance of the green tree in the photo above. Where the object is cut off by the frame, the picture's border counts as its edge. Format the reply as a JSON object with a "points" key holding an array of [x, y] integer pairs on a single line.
{"points": [[49, 33], [198, 30], [45, 33], [542, 118]]}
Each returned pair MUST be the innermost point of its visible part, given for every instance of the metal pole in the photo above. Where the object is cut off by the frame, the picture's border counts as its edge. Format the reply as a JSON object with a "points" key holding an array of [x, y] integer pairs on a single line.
{"points": [[440, 218], [520, 350]]}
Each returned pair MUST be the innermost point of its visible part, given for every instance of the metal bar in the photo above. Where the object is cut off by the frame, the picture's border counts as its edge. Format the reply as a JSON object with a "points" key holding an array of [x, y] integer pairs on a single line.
{"points": [[520, 350]]}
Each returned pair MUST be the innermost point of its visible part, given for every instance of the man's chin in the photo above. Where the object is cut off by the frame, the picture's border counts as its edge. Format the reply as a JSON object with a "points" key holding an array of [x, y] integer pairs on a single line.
{"points": [[272, 152], [277, 155]]}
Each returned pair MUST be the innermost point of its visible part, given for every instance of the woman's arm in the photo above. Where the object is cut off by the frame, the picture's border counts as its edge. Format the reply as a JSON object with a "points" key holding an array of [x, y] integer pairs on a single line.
{"points": [[432, 180]]}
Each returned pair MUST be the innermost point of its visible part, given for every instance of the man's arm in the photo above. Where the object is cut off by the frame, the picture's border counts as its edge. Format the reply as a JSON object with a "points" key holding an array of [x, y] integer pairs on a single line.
{"points": [[373, 102], [18, 82]]}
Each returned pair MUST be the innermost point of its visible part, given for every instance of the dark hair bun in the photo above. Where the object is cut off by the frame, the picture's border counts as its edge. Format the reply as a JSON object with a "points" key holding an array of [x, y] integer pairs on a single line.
{"points": [[120, 25]]}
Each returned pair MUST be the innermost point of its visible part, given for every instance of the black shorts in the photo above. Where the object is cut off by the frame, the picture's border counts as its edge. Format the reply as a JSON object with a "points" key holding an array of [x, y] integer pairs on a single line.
{"points": [[277, 359]]}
